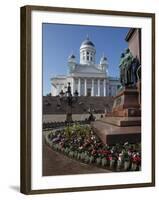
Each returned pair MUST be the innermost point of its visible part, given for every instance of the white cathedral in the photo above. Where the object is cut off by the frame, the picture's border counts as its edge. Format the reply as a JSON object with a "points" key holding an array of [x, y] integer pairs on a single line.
{"points": [[87, 77]]}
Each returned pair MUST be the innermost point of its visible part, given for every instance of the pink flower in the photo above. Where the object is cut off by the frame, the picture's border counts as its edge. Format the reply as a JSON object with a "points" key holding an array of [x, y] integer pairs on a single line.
{"points": [[136, 159], [110, 158]]}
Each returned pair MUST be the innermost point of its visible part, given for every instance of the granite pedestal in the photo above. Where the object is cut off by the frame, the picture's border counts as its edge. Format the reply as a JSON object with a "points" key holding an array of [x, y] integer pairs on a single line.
{"points": [[124, 122]]}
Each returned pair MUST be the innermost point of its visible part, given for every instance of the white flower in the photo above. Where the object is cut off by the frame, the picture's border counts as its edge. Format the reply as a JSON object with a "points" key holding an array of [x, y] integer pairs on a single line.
{"points": [[129, 153], [126, 143]]}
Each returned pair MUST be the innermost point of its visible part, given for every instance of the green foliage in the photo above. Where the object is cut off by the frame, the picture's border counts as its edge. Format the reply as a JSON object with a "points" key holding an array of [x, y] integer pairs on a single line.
{"points": [[78, 130]]}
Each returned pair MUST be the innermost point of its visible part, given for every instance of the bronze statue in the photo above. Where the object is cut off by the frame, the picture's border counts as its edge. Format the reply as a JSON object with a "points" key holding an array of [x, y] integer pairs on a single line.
{"points": [[128, 68], [121, 66]]}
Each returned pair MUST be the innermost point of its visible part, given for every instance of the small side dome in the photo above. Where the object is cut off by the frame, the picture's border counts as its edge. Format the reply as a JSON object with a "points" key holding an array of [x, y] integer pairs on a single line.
{"points": [[104, 58], [103, 63], [72, 56]]}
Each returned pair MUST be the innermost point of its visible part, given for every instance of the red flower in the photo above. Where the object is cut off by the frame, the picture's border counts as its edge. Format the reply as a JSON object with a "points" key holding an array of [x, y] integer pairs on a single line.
{"points": [[110, 158], [136, 159], [103, 152]]}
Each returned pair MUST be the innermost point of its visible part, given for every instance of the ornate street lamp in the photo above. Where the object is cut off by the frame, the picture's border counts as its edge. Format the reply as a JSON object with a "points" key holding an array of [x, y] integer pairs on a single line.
{"points": [[69, 100]]}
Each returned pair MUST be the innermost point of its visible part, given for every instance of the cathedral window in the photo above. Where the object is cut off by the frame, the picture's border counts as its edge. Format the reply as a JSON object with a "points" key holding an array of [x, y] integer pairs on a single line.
{"points": [[91, 58], [87, 57]]}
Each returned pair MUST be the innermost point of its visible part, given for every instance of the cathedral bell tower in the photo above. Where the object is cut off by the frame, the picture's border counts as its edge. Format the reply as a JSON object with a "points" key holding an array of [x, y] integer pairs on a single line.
{"points": [[87, 52], [103, 66], [71, 62]]}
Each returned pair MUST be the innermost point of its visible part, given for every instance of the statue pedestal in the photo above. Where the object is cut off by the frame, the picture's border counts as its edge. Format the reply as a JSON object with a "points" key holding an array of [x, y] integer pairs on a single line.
{"points": [[124, 122], [126, 103]]}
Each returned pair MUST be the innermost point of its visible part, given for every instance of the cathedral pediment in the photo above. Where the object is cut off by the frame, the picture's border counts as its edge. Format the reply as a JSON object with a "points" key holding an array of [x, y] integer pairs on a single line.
{"points": [[86, 69]]}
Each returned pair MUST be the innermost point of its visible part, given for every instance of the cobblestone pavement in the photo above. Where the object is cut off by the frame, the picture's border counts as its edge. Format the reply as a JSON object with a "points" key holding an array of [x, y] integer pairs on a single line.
{"points": [[55, 163]]}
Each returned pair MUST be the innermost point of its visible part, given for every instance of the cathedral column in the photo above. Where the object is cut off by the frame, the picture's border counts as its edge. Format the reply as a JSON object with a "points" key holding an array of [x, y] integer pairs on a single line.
{"points": [[92, 87], [57, 90], [79, 87], [85, 87], [104, 87], [98, 87], [73, 86]]}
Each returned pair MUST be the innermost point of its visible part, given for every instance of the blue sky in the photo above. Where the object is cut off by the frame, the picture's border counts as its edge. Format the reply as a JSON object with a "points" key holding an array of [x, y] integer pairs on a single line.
{"points": [[60, 40]]}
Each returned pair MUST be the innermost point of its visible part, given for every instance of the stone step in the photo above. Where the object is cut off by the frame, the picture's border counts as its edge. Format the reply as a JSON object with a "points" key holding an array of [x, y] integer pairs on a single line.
{"points": [[98, 103], [122, 121], [111, 134]]}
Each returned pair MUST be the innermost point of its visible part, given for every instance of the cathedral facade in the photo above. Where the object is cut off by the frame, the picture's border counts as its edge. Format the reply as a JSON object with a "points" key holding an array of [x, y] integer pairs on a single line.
{"points": [[87, 77]]}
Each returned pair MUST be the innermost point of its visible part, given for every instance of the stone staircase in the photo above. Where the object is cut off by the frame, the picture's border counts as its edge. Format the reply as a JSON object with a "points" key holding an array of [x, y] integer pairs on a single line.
{"points": [[52, 105]]}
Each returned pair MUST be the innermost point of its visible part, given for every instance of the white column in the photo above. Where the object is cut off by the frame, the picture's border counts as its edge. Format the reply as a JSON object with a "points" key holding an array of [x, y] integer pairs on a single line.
{"points": [[92, 87], [107, 89], [104, 87], [79, 87], [73, 86], [57, 90], [85, 87], [98, 87]]}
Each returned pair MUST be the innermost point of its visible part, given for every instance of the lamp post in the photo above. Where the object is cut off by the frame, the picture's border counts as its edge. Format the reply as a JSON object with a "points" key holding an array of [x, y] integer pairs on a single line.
{"points": [[69, 100]]}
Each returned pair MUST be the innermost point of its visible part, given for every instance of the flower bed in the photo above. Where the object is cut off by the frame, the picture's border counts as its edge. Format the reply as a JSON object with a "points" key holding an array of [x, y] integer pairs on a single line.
{"points": [[81, 143]]}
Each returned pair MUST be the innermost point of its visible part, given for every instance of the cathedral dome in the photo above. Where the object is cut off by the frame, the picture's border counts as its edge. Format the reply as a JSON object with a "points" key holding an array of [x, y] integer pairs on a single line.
{"points": [[87, 42], [87, 52]]}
